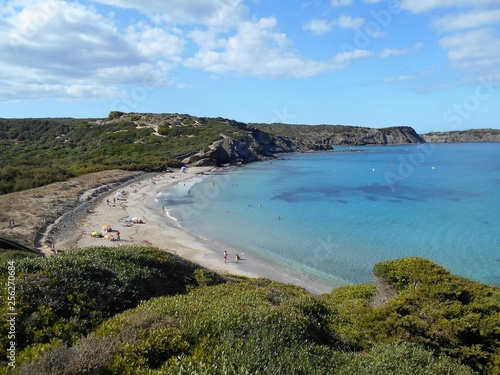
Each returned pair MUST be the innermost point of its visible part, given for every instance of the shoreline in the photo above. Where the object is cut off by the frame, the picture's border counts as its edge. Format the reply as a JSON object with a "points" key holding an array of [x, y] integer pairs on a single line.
{"points": [[138, 201]]}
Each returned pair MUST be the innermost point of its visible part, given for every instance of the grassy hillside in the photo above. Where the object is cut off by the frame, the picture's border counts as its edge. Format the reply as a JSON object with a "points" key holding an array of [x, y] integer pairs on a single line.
{"points": [[36, 152], [81, 313]]}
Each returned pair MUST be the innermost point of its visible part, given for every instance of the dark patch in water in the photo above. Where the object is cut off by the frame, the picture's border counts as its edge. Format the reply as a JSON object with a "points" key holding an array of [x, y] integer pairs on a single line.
{"points": [[312, 193], [483, 222], [386, 191], [373, 192]]}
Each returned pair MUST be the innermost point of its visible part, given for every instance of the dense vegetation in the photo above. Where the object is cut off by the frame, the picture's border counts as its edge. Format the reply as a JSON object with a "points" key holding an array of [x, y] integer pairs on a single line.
{"points": [[81, 313], [67, 296], [36, 152], [299, 131], [479, 133]]}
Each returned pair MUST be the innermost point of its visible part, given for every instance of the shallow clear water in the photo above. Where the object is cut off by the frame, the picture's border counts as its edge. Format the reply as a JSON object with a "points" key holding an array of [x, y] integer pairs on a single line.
{"points": [[334, 215]]}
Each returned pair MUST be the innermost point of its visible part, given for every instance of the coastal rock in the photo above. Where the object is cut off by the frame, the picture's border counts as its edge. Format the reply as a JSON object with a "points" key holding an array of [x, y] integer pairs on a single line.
{"points": [[262, 142], [255, 145], [473, 135], [322, 137]]}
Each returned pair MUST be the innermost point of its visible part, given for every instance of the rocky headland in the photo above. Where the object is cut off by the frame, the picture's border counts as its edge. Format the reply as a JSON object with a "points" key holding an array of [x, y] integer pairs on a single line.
{"points": [[464, 136]]}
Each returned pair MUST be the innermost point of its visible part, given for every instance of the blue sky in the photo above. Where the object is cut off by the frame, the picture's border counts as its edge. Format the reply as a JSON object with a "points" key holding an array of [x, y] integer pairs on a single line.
{"points": [[430, 64]]}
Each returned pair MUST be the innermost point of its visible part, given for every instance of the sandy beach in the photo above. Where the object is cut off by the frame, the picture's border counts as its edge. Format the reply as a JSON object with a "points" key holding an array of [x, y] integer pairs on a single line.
{"points": [[136, 200]]}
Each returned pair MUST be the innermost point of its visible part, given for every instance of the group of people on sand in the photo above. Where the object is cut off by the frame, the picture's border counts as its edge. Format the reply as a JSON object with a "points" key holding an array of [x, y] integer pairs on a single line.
{"points": [[105, 233], [237, 257]]}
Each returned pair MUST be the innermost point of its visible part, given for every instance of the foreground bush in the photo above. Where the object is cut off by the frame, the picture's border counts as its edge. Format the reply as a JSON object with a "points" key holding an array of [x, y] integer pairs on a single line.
{"points": [[69, 295], [73, 319], [446, 314], [253, 327]]}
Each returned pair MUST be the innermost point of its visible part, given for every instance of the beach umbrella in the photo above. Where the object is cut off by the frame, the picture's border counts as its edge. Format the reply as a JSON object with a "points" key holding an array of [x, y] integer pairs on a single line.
{"points": [[108, 236]]}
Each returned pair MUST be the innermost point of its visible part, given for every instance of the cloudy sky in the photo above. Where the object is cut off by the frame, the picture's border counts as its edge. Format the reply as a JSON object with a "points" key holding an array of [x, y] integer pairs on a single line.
{"points": [[430, 64]]}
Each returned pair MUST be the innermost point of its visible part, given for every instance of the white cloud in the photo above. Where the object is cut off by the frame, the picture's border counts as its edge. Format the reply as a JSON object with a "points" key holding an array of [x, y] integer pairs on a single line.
{"points": [[345, 57], [256, 49], [209, 12], [400, 79], [472, 47], [389, 52], [145, 74], [73, 39], [420, 6], [474, 52], [469, 20], [340, 3], [348, 22], [154, 42], [318, 27], [61, 49]]}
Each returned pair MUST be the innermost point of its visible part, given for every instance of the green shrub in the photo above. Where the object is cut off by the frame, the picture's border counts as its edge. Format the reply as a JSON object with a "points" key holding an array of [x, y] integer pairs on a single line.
{"points": [[251, 327], [435, 324], [71, 294], [206, 277], [445, 313], [402, 359], [6, 255], [115, 114]]}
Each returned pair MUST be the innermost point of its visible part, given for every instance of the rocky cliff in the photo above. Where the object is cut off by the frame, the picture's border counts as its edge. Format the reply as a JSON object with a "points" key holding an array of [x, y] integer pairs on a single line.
{"points": [[325, 136], [255, 145], [263, 141], [473, 135]]}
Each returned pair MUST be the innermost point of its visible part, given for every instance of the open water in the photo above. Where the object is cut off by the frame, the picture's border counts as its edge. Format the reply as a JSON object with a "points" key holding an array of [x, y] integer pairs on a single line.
{"points": [[333, 215]]}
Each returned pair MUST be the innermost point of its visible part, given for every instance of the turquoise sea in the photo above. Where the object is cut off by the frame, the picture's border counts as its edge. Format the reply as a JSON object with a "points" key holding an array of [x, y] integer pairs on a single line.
{"points": [[333, 215]]}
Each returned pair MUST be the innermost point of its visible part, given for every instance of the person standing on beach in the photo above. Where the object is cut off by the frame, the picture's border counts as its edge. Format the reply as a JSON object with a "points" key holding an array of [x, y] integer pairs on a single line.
{"points": [[237, 257], [225, 256]]}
